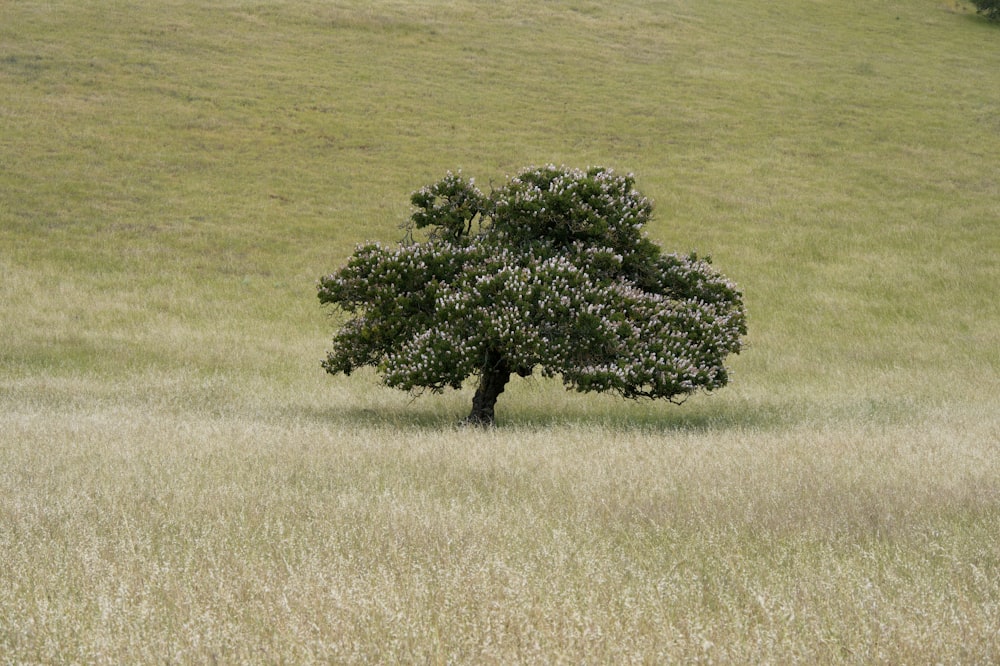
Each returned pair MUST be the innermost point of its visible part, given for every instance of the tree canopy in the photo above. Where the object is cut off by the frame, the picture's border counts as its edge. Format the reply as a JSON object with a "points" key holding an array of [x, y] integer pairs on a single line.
{"points": [[549, 272]]}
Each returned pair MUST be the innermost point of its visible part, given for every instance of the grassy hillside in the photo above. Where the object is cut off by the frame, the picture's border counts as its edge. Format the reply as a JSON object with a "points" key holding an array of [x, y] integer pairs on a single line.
{"points": [[169, 165], [179, 479]]}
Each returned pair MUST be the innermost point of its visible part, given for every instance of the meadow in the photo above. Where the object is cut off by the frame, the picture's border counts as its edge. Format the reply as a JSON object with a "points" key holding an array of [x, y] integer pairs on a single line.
{"points": [[180, 482]]}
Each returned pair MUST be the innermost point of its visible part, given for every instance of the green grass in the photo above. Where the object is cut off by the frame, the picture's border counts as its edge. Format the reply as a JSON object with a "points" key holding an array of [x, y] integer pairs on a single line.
{"points": [[179, 481]]}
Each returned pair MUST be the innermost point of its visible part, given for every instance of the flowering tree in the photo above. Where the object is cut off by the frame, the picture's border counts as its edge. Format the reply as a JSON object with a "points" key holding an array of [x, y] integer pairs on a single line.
{"points": [[550, 271]]}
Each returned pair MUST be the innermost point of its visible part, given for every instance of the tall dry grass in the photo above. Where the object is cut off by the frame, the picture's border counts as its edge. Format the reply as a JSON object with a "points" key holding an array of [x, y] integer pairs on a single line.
{"points": [[361, 532]]}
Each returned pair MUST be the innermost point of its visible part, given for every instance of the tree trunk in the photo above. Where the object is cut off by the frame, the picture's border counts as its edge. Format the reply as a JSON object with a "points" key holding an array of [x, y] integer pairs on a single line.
{"points": [[495, 376]]}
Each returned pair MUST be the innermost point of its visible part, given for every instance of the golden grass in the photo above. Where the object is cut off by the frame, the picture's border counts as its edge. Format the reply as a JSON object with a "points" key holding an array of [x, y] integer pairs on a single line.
{"points": [[138, 533]]}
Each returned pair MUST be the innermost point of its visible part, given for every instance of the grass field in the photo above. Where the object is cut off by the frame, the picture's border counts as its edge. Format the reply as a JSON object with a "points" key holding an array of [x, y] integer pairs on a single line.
{"points": [[181, 483]]}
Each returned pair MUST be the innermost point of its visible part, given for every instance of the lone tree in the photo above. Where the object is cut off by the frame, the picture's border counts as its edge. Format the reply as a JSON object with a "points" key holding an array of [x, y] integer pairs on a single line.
{"points": [[549, 271]]}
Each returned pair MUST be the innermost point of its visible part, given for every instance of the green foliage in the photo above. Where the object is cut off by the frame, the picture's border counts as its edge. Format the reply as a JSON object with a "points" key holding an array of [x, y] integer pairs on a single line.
{"points": [[988, 8], [558, 276]]}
